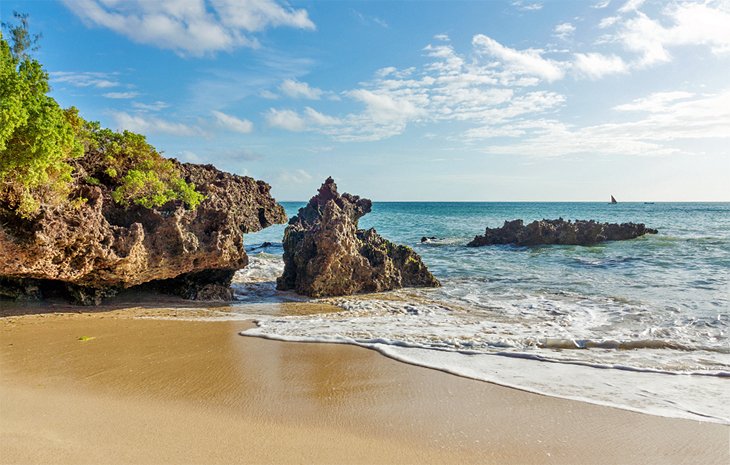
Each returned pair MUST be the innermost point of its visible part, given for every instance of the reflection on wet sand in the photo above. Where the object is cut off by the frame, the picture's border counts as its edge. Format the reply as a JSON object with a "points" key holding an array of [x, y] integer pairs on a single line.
{"points": [[176, 376]]}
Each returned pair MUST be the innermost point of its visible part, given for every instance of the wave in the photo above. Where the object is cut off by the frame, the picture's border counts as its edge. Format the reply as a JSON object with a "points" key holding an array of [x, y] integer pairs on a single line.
{"points": [[690, 397]]}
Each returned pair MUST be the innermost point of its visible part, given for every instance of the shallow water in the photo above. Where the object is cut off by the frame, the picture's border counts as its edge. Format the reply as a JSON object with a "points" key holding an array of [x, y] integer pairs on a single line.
{"points": [[638, 324]]}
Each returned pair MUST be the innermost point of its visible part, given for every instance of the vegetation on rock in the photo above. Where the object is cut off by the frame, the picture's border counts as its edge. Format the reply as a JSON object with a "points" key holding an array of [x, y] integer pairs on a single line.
{"points": [[41, 144]]}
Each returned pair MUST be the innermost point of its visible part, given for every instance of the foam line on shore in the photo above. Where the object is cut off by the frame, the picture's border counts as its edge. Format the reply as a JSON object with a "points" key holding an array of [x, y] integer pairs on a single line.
{"points": [[638, 391]]}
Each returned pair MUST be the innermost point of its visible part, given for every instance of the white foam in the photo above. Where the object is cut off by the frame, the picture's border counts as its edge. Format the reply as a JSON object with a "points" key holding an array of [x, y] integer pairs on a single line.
{"points": [[608, 351], [459, 342]]}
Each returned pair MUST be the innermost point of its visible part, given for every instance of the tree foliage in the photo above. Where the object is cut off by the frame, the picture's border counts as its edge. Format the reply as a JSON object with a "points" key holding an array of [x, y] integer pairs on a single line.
{"points": [[39, 140], [36, 140]]}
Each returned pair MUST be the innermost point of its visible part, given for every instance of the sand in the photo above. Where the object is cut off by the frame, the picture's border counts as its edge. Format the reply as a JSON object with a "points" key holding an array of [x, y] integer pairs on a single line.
{"points": [[107, 387]]}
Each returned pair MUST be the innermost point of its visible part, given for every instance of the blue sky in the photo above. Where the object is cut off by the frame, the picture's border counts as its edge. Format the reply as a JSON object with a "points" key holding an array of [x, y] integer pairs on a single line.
{"points": [[513, 100]]}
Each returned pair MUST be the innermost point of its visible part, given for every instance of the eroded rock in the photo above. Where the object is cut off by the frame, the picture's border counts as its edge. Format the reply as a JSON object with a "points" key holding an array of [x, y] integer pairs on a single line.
{"points": [[99, 247], [325, 254], [579, 232]]}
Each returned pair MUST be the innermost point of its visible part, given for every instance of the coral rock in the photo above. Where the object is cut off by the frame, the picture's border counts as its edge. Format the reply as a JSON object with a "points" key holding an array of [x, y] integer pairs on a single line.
{"points": [[325, 254], [100, 247], [561, 232]]}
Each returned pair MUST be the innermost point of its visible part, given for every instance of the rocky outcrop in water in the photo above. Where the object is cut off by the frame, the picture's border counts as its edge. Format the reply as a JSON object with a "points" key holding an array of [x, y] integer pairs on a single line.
{"points": [[89, 251], [559, 231], [325, 254]]}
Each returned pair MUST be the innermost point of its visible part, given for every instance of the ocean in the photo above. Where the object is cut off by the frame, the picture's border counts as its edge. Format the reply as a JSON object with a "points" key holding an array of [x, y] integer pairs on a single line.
{"points": [[642, 325]]}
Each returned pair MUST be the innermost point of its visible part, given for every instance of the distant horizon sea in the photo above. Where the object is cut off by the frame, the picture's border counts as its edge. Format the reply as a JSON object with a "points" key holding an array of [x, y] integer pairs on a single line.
{"points": [[641, 324]]}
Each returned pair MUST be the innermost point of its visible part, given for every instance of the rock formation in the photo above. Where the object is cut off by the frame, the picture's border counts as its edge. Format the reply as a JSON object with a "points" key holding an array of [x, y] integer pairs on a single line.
{"points": [[325, 254], [559, 231], [91, 250]]}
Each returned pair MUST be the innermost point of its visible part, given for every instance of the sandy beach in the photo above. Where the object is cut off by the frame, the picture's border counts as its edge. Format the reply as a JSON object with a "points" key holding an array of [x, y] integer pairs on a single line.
{"points": [[107, 387]]}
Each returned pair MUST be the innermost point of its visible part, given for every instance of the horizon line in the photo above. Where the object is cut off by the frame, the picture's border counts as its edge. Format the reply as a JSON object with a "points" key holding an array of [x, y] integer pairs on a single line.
{"points": [[531, 201]]}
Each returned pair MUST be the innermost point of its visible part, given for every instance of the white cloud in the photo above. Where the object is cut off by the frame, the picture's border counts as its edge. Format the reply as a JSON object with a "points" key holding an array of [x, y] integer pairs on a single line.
{"points": [[645, 37], [596, 65], [529, 61], [321, 119], [268, 95], [368, 20], [384, 108], [121, 95], [84, 79], [257, 15], [691, 24], [232, 123], [522, 6], [608, 21], [667, 117], [442, 37], [564, 30], [151, 125], [154, 106], [447, 88], [631, 5], [297, 89], [285, 119], [602, 4], [194, 27], [655, 102]]}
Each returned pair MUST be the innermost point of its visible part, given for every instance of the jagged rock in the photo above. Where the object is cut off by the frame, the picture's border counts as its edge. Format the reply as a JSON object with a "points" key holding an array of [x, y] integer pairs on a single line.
{"points": [[325, 254], [100, 247], [428, 239], [559, 231]]}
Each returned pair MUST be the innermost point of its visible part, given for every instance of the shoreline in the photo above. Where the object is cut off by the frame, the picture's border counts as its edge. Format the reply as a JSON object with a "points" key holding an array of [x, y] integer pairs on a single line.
{"points": [[386, 351], [329, 402]]}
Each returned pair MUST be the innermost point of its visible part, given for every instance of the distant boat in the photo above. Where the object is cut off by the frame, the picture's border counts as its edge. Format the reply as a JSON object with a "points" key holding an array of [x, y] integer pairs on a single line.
{"points": [[613, 199]]}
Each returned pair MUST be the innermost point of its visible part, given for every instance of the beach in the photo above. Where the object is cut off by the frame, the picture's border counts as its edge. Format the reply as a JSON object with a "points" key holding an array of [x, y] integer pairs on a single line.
{"points": [[143, 385]]}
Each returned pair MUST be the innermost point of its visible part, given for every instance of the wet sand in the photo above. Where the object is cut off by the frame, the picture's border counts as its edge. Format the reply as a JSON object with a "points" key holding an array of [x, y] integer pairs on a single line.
{"points": [[108, 388]]}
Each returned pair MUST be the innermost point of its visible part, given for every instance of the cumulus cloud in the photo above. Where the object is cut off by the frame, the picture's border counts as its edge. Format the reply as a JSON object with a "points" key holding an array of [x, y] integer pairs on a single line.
{"points": [[689, 24], [497, 91], [529, 61], [645, 37], [152, 125], [447, 88], [232, 123], [596, 65], [285, 119], [297, 89], [257, 15], [193, 27]]}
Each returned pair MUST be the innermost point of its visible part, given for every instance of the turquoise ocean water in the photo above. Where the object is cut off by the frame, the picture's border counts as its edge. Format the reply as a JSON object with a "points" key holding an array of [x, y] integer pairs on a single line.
{"points": [[641, 324]]}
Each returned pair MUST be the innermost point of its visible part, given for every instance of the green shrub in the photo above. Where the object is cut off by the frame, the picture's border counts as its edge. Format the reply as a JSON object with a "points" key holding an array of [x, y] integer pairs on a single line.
{"points": [[36, 138]]}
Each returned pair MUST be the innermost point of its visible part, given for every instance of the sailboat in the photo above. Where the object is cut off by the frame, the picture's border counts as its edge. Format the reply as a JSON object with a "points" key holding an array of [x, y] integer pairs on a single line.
{"points": [[613, 199]]}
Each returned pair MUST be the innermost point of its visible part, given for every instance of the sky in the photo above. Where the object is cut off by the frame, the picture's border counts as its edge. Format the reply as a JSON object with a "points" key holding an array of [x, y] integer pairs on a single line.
{"points": [[457, 101]]}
